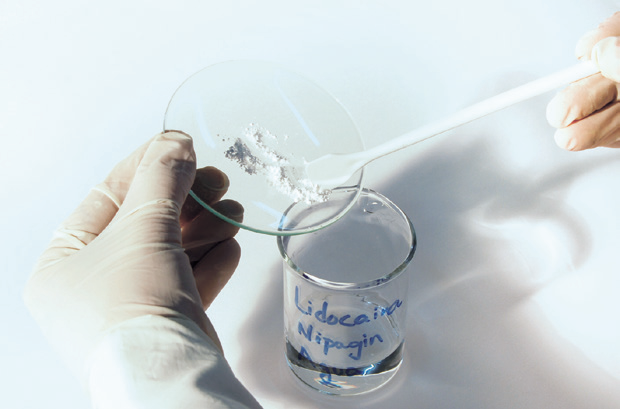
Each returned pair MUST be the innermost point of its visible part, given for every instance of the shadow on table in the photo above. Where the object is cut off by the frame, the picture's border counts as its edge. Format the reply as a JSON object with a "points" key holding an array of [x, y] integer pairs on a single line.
{"points": [[488, 239]]}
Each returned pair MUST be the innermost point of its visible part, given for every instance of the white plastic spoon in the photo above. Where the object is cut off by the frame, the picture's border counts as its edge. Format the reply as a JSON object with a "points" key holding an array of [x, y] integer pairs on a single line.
{"points": [[332, 170]]}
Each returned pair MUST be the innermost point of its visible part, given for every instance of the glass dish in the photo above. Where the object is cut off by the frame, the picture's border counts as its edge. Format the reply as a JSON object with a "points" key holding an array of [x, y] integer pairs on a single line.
{"points": [[260, 123]]}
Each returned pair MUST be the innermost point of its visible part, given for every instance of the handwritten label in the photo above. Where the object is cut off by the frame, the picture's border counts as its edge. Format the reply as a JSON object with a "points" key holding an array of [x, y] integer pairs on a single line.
{"points": [[324, 315], [331, 319]]}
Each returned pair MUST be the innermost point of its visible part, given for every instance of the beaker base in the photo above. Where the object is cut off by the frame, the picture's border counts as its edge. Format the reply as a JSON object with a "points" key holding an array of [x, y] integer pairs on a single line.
{"points": [[343, 381]]}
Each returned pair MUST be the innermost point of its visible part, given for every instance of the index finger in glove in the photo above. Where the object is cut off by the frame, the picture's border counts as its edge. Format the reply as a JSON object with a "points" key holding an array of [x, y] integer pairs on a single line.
{"points": [[606, 55], [608, 28]]}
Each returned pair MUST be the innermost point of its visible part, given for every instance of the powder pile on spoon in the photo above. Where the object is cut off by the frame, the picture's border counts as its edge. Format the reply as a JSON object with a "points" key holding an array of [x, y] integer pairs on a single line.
{"points": [[260, 153]]}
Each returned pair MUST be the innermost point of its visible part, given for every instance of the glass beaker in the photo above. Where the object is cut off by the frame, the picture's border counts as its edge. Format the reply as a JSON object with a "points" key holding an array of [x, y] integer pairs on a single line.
{"points": [[345, 295]]}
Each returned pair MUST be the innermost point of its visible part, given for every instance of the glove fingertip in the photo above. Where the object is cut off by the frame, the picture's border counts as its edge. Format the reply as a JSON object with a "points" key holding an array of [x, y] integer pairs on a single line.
{"points": [[606, 54], [557, 112], [583, 48]]}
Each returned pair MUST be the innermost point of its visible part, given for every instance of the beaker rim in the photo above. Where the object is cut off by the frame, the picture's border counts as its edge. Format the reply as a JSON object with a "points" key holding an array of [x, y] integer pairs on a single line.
{"points": [[375, 282]]}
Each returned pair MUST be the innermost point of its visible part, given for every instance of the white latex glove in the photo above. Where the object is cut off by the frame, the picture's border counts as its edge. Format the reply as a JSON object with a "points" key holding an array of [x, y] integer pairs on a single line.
{"points": [[587, 112], [130, 271]]}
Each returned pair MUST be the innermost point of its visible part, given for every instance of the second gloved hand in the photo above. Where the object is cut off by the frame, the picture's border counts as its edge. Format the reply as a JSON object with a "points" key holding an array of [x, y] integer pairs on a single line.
{"points": [[587, 112]]}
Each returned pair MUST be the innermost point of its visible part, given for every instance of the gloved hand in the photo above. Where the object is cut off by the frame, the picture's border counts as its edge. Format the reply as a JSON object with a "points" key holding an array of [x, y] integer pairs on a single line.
{"points": [[129, 251], [587, 112]]}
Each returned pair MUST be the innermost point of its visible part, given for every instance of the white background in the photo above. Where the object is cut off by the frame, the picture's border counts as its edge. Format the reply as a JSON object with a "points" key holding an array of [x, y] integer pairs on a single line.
{"points": [[514, 290]]}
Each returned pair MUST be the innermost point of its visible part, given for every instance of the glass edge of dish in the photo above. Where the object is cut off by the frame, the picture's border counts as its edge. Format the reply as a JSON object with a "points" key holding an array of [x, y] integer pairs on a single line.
{"points": [[279, 231]]}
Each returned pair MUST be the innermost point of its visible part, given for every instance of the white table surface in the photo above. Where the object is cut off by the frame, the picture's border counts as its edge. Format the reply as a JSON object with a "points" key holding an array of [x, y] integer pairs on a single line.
{"points": [[514, 290]]}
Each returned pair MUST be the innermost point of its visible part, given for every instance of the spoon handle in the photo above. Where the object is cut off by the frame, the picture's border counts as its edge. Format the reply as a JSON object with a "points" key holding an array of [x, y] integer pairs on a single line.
{"points": [[480, 109]]}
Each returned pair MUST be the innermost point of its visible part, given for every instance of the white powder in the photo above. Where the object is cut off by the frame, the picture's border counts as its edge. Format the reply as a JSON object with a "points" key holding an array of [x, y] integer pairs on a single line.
{"points": [[261, 153]]}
